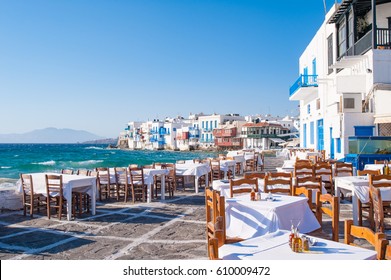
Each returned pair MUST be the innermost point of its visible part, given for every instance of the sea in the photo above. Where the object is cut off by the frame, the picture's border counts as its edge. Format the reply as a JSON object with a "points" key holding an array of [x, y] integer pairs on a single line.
{"points": [[30, 158]]}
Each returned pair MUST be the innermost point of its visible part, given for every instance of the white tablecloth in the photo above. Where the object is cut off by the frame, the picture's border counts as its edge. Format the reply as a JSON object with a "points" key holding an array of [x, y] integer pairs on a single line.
{"points": [[359, 187], [274, 246], [193, 169], [70, 182], [375, 167], [246, 219], [226, 165]]}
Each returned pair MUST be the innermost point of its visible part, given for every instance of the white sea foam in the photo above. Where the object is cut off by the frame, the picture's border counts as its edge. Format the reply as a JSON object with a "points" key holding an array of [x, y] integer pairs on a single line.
{"points": [[89, 162], [50, 162], [5, 167], [93, 148]]}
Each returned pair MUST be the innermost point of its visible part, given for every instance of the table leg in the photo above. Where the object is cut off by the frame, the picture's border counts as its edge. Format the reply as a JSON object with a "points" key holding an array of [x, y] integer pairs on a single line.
{"points": [[196, 183], [355, 208], [69, 205], [93, 199], [149, 192]]}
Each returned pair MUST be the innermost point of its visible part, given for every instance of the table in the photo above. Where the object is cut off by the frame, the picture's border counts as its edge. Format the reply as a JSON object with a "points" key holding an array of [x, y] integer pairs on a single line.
{"points": [[287, 166], [225, 165], [274, 246], [149, 179], [70, 182], [247, 219], [359, 186], [193, 169]]}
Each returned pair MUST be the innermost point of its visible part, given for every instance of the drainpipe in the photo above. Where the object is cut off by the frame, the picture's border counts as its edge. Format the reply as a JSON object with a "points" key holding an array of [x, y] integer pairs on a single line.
{"points": [[374, 28]]}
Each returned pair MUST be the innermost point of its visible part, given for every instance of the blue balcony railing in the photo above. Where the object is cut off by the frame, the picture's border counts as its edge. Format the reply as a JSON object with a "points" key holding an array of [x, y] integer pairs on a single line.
{"points": [[304, 81]]}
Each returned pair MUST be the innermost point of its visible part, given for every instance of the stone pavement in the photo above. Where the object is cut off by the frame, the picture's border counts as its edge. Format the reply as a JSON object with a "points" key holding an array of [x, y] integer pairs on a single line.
{"points": [[174, 229]]}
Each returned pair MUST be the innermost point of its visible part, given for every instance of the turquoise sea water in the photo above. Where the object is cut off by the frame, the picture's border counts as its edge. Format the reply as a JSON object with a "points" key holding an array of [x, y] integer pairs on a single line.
{"points": [[28, 158]]}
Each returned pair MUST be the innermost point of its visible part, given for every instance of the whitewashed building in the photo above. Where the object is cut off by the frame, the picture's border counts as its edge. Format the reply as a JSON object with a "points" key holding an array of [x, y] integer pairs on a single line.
{"points": [[344, 84]]}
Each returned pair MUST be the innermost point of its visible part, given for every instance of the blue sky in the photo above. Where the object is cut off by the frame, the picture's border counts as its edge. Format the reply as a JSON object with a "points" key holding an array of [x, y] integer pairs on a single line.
{"points": [[95, 65]]}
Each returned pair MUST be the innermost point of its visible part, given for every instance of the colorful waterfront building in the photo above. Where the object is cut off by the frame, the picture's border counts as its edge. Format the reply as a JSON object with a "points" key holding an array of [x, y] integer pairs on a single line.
{"points": [[344, 83]]}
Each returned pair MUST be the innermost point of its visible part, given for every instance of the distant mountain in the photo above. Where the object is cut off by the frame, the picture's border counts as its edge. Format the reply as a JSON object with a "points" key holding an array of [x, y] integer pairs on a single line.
{"points": [[50, 135]]}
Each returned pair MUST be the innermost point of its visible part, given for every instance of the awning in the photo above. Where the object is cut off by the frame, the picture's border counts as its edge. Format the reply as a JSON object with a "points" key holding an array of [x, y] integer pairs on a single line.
{"points": [[348, 62], [382, 119], [277, 140]]}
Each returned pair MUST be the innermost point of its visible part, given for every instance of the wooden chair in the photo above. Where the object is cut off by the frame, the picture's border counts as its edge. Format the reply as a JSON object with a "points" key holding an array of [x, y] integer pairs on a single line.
{"points": [[380, 181], [377, 210], [82, 199], [251, 163], [299, 191], [54, 194], [377, 240], [278, 182], [365, 207], [105, 186], [242, 186], [328, 205], [325, 171], [137, 183], [379, 161], [83, 172], [170, 181], [122, 179], [215, 171], [213, 248], [215, 221], [31, 199], [258, 175]]}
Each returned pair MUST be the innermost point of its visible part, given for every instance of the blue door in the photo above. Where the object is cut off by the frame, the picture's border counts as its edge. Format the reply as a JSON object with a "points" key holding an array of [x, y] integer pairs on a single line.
{"points": [[320, 135], [314, 67], [331, 143]]}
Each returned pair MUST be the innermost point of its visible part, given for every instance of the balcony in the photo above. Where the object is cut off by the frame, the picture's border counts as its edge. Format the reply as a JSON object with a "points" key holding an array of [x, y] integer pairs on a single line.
{"points": [[305, 87], [224, 132], [231, 142]]}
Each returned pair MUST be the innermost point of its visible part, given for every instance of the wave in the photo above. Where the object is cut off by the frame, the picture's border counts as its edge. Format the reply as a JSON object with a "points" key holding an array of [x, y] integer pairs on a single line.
{"points": [[93, 148], [89, 162], [5, 167], [50, 162]]}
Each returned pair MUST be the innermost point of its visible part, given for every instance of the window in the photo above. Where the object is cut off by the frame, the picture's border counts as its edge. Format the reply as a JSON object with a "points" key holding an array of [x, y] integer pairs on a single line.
{"points": [[308, 109], [305, 135], [216, 124], [348, 103], [350, 30], [330, 57], [342, 39], [203, 124], [318, 104]]}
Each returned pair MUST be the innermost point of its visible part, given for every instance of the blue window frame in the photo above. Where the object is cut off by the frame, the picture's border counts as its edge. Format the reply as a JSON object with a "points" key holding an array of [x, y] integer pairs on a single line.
{"points": [[314, 66], [312, 133], [363, 130], [215, 124], [320, 135], [308, 109], [211, 124]]}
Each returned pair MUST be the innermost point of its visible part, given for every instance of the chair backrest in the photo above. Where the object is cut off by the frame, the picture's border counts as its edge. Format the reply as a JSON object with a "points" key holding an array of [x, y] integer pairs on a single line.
{"points": [[312, 182], [215, 216], [298, 191], [121, 175], [343, 169], [329, 205], [242, 186], [83, 172], [27, 184], [303, 169], [278, 182], [149, 166], [368, 172], [54, 184], [377, 206], [252, 175], [103, 175], [377, 240], [323, 169], [67, 171], [137, 176], [380, 180], [379, 161]]}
